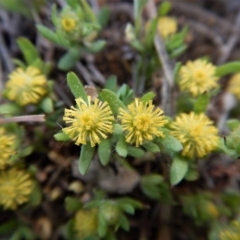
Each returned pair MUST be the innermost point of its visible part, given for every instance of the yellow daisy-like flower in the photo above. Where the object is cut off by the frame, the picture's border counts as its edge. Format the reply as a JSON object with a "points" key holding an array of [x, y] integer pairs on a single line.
{"points": [[234, 85], [15, 188], [233, 233], [88, 122], [6, 148], [142, 121], [196, 133], [197, 77], [86, 223], [167, 26], [26, 86], [68, 23]]}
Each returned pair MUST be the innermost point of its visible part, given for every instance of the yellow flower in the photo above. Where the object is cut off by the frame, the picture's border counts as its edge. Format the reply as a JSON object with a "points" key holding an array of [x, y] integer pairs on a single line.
{"points": [[167, 26], [233, 233], [6, 148], [68, 23], [26, 86], [196, 133], [142, 122], [88, 121], [234, 85], [15, 188], [86, 223], [197, 77]]}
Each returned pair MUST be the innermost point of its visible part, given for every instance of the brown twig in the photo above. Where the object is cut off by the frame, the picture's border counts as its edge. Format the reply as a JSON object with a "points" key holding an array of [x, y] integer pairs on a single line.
{"points": [[26, 118], [84, 72]]}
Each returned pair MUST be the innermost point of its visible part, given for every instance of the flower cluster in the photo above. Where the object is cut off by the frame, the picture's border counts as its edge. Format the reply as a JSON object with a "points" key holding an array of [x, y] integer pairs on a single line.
{"points": [[196, 133], [197, 77], [15, 188], [167, 26], [26, 86], [6, 148], [91, 122]]}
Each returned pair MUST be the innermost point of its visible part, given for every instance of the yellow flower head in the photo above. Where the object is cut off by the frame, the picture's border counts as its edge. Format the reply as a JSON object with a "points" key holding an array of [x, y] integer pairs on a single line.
{"points": [[196, 133], [86, 223], [167, 26], [6, 148], [88, 121], [15, 188], [232, 233], [197, 77], [234, 85], [68, 23], [142, 122], [26, 86]]}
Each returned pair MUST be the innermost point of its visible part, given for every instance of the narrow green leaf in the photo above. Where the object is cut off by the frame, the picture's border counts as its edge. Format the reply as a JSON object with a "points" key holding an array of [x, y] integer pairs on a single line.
{"points": [[121, 147], [151, 147], [151, 32], [148, 96], [233, 124], [123, 222], [8, 227], [47, 105], [164, 8], [76, 86], [89, 14], [178, 170], [135, 152], [96, 46], [114, 102], [68, 60], [9, 109], [180, 50], [104, 151], [35, 197], [61, 136], [54, 15], [103, 16], [28, 50], [171, 143], [228, 68], [72, 204], [86, 157], [48, 34], [176, 71], [111, 83], [201, 103]]}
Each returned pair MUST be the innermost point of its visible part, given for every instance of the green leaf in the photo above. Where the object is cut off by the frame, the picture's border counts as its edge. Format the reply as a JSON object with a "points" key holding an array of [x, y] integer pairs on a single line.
{"points": [[28, 50], [123, 222], [177, 52], [151, 147], [73, 3], [8, 227], [138, 7], [103, 16], [19, 63], [121, 147], [191, 175], [72, 204], [178, 170], [69, 59], [148, 96], [127, 200], [201, 103], [62, 137], [228, 68], [47, 105], [150, 185], [89, 14], [9, 109], [111, 83], [96, 46], [114, 102], [170, 143], [86, 157], [151, 32], [54, 15], [35, 197], [233, 124], [135, 151], [102, 225], [48, 34], [104, 151], [26, 151], [176, 71], [76, 86], [164, 8]]}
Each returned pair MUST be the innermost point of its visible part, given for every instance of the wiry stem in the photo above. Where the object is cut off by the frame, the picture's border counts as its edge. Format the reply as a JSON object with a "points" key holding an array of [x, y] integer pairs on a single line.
{"points": [[26, 118]]}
